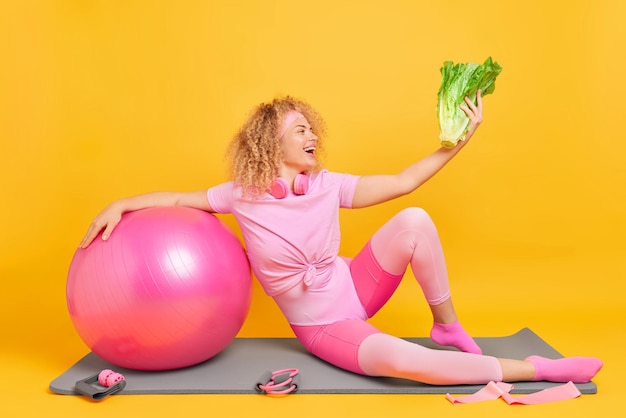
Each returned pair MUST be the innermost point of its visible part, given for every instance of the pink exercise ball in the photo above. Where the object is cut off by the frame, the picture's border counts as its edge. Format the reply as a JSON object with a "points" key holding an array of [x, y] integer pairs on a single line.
{"points": [[170, 288]]}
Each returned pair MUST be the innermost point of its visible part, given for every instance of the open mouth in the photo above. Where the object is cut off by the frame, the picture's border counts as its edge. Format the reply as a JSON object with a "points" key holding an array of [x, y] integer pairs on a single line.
{"points": [[310, 150]]}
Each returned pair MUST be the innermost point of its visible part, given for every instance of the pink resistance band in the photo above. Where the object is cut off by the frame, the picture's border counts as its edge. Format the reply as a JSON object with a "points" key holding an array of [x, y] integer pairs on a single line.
{"points": [[287, 121], [501, 390]]}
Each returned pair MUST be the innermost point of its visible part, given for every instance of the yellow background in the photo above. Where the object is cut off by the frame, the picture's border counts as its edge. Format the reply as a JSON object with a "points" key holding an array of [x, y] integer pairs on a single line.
{"points": [[105, 99]]}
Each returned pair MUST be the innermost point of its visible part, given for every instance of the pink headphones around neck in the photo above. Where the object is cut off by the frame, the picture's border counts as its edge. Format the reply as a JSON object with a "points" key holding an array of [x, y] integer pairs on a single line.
{"points": [[280, 188]]}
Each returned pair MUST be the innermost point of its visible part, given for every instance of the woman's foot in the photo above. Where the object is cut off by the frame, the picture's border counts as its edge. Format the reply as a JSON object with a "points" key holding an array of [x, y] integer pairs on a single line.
{"points": [[575, 369], [454, 335]]}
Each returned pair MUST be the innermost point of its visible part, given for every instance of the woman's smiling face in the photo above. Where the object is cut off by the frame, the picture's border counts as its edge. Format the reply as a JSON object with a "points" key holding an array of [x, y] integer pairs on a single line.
{"points": [[298, 146]]}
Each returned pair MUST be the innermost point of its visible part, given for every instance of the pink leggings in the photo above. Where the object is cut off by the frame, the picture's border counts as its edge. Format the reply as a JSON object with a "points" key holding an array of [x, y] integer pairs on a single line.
{"points": [[409, 238]]}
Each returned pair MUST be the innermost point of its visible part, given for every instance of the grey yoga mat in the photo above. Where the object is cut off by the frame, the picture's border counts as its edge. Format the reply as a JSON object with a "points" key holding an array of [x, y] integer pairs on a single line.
{"points": [[238, 368]]}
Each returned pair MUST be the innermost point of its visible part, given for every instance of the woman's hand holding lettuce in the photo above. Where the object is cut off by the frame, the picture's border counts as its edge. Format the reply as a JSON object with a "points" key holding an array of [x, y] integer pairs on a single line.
{"points": [[458, 82]]}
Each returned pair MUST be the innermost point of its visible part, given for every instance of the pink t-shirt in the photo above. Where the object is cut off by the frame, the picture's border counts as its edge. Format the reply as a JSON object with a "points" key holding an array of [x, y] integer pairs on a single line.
{"points": [[292, 239], [293, 243]]}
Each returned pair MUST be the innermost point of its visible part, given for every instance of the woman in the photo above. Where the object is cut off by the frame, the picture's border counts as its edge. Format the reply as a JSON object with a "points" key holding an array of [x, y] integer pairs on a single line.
{"points": [[287, 207]]}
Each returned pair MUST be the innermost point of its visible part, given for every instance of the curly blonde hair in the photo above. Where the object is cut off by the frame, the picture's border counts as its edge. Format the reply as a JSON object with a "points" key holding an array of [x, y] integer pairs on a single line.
{"points": [[255, 153]]}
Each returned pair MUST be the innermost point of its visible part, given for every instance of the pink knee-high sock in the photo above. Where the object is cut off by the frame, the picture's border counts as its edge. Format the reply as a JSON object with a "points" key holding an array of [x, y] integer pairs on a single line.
{"points": [[454, 335], [575, 369]]}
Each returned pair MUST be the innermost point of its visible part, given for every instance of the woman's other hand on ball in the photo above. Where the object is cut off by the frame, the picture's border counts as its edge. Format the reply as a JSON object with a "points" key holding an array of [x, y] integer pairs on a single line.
{"points": [[106, 220]]}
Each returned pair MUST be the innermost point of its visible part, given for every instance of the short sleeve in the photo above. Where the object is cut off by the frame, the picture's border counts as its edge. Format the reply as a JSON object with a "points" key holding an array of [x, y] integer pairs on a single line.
{"points": [[221, 197], [347, 186]]}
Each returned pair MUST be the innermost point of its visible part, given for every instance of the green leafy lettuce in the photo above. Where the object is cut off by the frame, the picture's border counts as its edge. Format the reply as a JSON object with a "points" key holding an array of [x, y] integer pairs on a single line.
{"points": [[457, 82]]}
